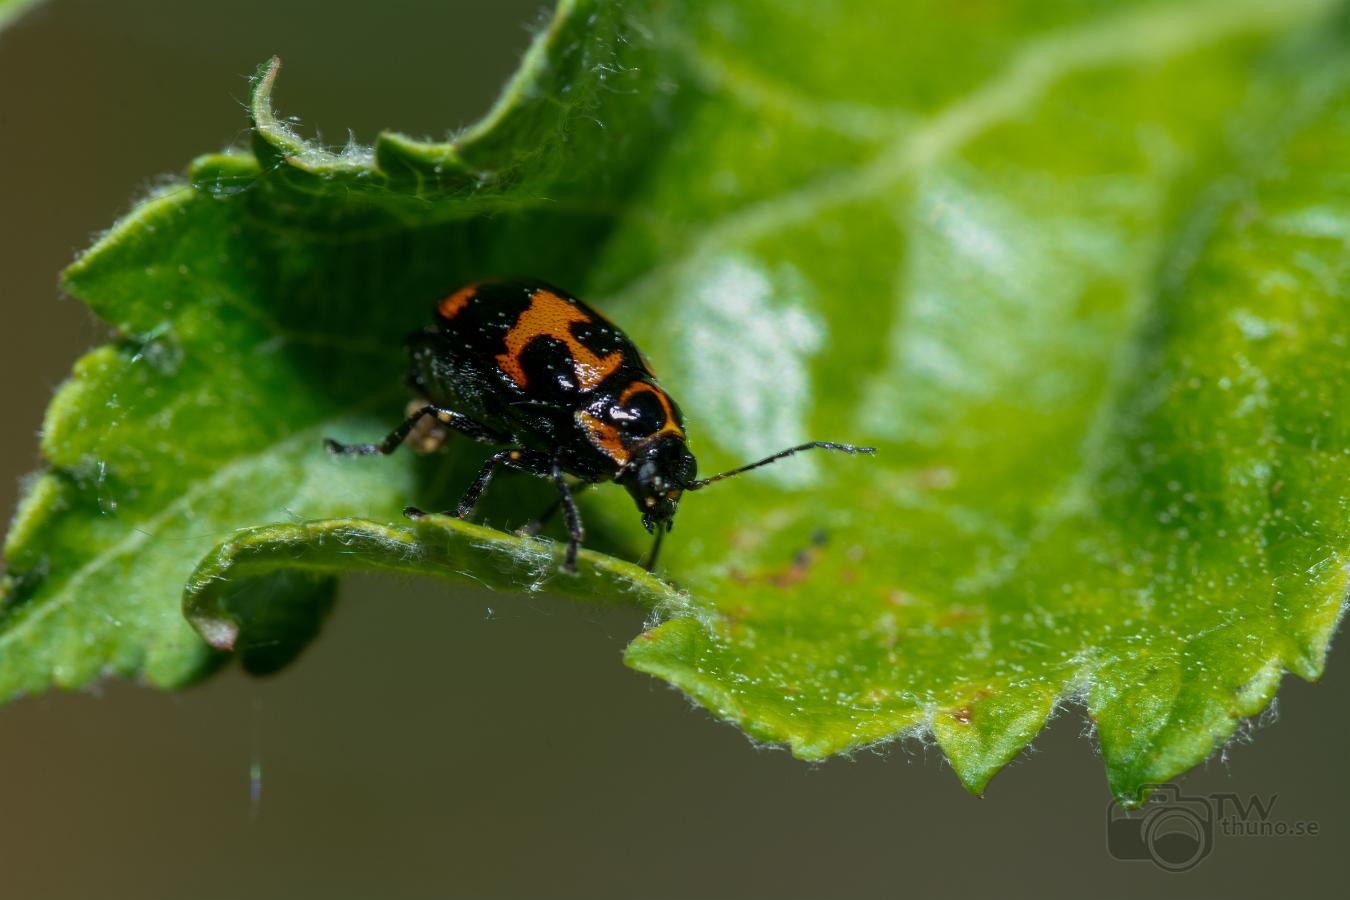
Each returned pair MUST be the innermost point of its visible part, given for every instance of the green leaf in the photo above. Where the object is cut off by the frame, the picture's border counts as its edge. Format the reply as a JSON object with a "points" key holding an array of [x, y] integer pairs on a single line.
{"points": [[437, 546], [261, 307], [1079, 271]]}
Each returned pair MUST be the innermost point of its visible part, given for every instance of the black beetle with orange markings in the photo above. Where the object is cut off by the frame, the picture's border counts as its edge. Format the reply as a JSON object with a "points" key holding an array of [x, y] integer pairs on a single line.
{"points": [[525, 365]]}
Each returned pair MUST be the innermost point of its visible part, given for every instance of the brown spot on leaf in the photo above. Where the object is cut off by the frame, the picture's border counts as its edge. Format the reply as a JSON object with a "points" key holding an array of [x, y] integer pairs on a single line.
{"points": [[936, 478], [741, 539], [966, 714], [795, 573], [958, 616]]}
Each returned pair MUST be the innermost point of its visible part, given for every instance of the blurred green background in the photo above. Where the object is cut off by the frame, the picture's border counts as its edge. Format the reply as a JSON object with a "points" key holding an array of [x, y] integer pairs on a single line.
{"points": [[441, 741]]}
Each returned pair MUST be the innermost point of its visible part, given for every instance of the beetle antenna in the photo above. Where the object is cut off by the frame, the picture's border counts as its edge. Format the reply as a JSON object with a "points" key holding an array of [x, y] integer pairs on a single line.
{"points": [[650, 562], [813, 445]]}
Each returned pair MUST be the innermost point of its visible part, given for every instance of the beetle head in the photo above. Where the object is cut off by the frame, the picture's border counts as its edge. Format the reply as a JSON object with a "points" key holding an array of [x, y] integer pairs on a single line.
{"points": [[656, 476]]}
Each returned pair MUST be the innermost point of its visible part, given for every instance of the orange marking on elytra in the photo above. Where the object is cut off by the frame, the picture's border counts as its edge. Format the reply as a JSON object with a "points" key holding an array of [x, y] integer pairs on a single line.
{"points": [[604, 436], [451, 306], [549, 315], [643, 387]]}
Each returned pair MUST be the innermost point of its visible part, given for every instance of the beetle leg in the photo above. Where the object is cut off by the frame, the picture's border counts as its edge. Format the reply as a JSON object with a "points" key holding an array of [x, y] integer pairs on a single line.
{"points": [[536, 525], [523, 460], [574, 530], [649, 563], [392, 441]]}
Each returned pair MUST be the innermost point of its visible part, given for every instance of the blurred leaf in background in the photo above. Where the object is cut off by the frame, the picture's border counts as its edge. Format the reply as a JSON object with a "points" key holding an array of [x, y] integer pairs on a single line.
{"points": [[1078, 270], [12, 9]]}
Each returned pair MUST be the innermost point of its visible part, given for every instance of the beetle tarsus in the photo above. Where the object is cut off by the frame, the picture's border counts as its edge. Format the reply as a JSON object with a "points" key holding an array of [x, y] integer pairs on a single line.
{"points": [[340, 449]]}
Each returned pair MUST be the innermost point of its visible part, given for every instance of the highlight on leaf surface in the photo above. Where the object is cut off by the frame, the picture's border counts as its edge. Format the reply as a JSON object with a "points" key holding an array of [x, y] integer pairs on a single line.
{"points": [[1080, 274]]}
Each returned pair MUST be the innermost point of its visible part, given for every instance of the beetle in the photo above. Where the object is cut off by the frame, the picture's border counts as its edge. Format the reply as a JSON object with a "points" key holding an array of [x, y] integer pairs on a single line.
{"points": [[526, 366]]}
